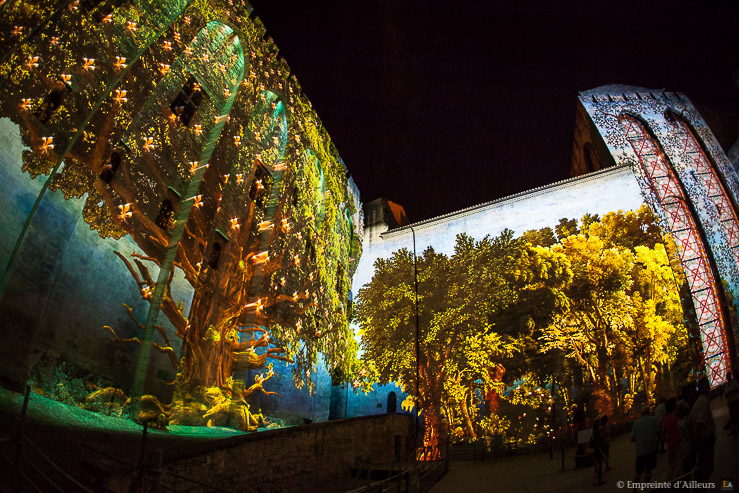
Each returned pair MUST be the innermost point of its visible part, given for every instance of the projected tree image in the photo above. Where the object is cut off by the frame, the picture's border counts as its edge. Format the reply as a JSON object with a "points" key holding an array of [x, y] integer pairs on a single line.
{"points": [[623, 305], [208, 156], [456, 297], [498, 316]]}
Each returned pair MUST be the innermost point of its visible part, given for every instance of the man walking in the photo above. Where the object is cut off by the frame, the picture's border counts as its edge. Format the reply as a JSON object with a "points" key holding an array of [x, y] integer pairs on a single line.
{"points": [[645, 433]]}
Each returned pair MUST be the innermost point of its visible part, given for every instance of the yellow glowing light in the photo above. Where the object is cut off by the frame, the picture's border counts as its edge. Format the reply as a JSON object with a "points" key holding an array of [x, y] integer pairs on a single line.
{"points": [[261, 257], [197, 201], [235, 223], [198, 129], [239, 179], [163, 68], [120, 96], [120, 63], [47, 144], [25, 103], [125, 212], [131, 26], [149, 143], [17, 30], [108, 18], [265, 225], [279, 166], [177, 36], [54, 40], [237, 140], [32, 62], [167, 45], [88, 64], [188, 51]]}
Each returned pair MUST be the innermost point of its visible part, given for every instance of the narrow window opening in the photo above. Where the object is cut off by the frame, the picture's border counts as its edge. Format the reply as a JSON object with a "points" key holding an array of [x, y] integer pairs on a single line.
{"points": [[260, 186], [111, 167], [591, 160], [340, 279], [187, 101], [49, 106], [101, 12], [215, 255], [165, 216]]}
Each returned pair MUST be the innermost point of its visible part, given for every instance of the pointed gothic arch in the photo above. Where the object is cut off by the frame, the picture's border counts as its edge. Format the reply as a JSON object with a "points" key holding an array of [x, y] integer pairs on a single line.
{"points": [[690, 239]]}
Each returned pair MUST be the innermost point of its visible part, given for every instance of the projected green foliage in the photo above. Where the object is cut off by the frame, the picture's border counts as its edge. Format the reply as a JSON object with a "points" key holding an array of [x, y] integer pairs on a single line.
{"points": [[503, 319], [258, 194]]}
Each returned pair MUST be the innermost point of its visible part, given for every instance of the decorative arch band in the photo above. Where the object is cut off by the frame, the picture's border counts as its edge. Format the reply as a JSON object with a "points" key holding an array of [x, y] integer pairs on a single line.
{"points": [[683, 226]]}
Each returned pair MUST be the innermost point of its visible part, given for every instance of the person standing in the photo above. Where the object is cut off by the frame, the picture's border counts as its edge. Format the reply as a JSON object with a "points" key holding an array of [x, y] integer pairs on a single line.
{"points": [[703, 431], [605, 441], [659, 413], [671, 436], [686, 453], [595, 445], [731, 392], [644, 433]]}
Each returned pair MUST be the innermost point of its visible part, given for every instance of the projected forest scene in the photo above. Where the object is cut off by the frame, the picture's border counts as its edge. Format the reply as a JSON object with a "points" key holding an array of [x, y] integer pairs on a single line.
{"points": [[514, 331], [188, 139]]}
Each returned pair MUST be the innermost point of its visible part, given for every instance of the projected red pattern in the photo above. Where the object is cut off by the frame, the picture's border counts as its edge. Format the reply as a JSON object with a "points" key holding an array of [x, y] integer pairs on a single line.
{"points": [[691, 249], [705, 172]]}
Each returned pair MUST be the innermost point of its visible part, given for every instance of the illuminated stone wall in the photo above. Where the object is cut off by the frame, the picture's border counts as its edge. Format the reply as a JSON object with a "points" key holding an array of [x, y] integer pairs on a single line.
{"points": [[171, 200]]}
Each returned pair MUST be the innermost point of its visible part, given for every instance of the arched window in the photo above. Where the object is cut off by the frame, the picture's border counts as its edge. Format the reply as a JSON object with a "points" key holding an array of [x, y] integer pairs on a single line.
{"points": [[705, 172], [187, 101], [215, 255], [48, 107], [165, 216], [392, 400], [111, 167], [690, 242], [591, 159]]}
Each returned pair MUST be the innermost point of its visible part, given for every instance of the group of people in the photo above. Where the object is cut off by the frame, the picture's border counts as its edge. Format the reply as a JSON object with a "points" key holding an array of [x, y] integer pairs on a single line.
{"points": [[686, 427], [681, 426]]}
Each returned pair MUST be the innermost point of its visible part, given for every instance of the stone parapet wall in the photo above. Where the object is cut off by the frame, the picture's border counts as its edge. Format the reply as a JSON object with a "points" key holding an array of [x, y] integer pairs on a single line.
{"points": [[316, 457]]}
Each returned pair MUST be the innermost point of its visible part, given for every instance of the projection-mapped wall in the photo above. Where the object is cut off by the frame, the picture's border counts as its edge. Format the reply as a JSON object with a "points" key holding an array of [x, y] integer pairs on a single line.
{"points": [[177, 224], [601, 291]]}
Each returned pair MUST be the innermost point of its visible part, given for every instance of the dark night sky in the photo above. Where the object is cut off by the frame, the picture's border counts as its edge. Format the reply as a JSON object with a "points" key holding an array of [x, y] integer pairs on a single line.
{"points": [[441, 105]]}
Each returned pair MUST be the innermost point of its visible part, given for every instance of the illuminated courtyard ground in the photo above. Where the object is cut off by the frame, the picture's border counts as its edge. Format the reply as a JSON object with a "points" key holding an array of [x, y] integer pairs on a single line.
{"points": [[537, 473]]}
